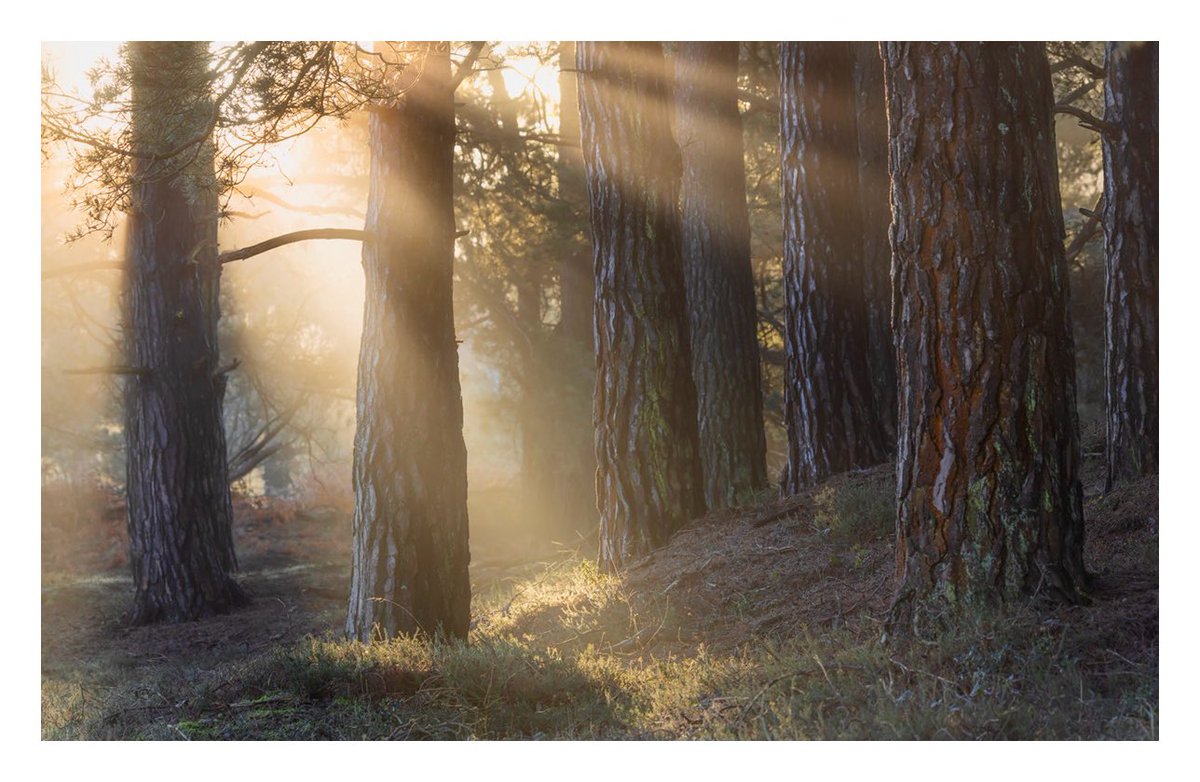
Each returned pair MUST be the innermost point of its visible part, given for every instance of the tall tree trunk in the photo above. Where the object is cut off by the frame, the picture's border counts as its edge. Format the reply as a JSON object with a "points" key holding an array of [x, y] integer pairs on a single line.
{"points": [[575, 270], [832, 420], [1131, 259], [990, 505], [648, 475], [577, 463], [870, 110], [177, 477], [410, 557], [723, 318]]}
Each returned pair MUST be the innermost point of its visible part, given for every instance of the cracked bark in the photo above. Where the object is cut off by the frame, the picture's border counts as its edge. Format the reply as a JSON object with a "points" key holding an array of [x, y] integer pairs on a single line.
{"points": [[833, 422], [1131, 260], [990, 505], [410, 552], [177, 487], [648, 469], [723, 318]]}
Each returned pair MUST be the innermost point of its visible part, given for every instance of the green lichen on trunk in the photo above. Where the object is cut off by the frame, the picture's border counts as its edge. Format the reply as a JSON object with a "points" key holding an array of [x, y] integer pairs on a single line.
{"points": [[990, 505]]}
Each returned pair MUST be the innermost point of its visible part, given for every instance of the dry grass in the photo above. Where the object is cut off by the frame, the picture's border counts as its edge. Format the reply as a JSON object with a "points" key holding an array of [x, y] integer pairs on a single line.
{"points": [[734, 630]]}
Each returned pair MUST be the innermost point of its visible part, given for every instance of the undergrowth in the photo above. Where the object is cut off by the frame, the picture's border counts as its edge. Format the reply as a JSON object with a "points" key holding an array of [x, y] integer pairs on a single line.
{"points": [[572, 654]]}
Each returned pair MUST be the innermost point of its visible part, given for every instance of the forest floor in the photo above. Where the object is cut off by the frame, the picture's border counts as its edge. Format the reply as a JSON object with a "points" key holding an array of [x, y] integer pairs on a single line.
{"points": [[742, 627]]}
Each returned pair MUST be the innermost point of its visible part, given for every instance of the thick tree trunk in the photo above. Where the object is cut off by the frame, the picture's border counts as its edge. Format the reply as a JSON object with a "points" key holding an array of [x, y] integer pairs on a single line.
{"points": [[648, 475], [990, 505], [870, 109], [177, 484], [410, 557], [1131, 253], [832, 419], [723, 318]]}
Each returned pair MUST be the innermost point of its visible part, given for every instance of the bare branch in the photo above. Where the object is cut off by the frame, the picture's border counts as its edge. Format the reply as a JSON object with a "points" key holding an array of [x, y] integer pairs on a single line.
{"points": [[352, 234], [467, 65], [1086, 119]]}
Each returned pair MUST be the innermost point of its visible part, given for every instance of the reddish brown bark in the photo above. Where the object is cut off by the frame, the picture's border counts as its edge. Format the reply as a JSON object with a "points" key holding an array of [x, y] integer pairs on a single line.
{"points": [[990, 505]]}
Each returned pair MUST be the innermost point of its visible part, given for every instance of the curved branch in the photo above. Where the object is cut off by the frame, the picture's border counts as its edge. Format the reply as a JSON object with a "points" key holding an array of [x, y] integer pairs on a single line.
{"points": [[352, 234]]}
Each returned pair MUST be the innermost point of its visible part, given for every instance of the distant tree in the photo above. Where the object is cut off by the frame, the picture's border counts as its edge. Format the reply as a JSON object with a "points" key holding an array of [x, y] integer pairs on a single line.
{"points": [[870, 109], [648, 477], [721, 308], [990, 504], [410, 552], [576, 292], [833, 421], [177, 485], [1130, 220]]}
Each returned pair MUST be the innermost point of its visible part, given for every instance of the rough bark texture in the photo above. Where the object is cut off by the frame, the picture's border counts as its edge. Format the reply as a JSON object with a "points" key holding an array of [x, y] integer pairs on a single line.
{"points": [[410, 555], [177, 479], [990, 505], [871, 114], [722, 315], [832, 420], [648, 473], [1131, 254]]}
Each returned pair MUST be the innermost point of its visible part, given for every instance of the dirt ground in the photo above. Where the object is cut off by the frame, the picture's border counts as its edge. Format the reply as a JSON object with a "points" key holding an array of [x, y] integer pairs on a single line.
{"points": [[769, 570]]}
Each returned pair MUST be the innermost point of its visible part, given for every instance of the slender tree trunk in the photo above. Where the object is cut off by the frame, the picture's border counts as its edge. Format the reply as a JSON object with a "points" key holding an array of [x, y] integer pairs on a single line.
{"points": [[177, 482], [410, 557], [1131, 255], [648, 477], [833, 421], [577, 463], [990, 505], [575, 270], [723, 317], [870, 110]]}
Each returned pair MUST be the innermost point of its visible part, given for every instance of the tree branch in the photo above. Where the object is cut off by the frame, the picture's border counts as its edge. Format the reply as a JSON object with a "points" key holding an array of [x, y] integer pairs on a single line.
{"points": [[353, 234], [467, 65], [1084, 64], [1091, 228], [1086, 119]]}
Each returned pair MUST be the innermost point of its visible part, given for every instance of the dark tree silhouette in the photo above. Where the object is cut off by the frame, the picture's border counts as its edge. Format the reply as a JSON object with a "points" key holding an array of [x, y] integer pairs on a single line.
{"points": [[648, 473], [177, 477], [832, 420], [871, 114], [722, 315], [410, 555], [990, 505], [1131, 251]]}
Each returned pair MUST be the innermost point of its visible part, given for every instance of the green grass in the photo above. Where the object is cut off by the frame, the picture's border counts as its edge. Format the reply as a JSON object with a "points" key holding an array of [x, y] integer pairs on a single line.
{"points": [[855, 511]]}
